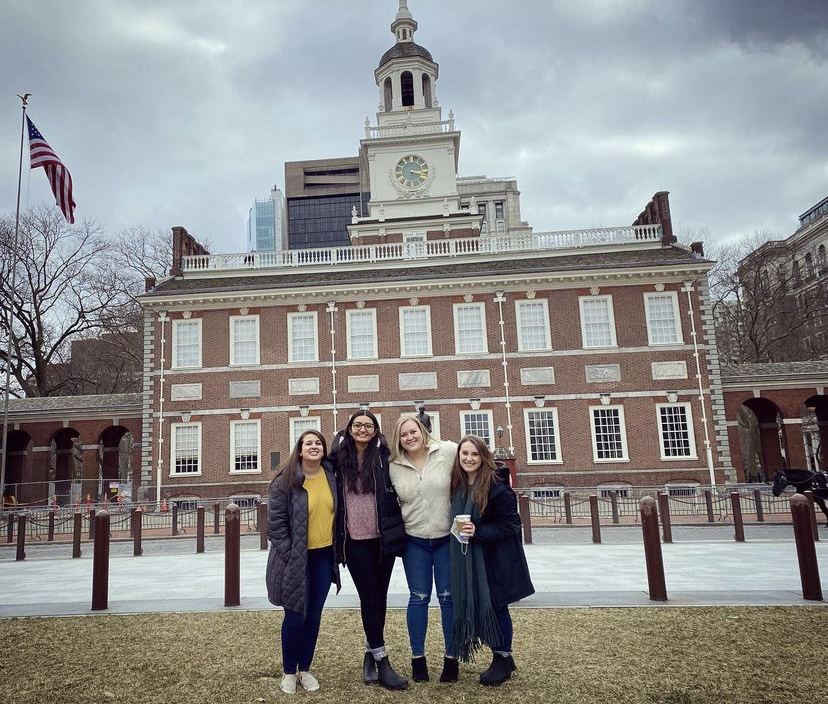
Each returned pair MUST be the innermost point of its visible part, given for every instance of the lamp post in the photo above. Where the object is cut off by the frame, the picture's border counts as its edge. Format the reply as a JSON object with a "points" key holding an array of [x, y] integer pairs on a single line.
{"points": [[503, 455]]}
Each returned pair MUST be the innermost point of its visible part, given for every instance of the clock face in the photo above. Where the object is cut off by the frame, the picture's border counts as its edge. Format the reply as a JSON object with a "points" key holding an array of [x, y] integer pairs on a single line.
{"points": [[411, 171]]}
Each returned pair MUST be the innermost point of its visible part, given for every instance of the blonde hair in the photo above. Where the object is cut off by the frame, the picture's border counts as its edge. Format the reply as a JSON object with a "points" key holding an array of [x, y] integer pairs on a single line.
{"points": [[396, 447]]}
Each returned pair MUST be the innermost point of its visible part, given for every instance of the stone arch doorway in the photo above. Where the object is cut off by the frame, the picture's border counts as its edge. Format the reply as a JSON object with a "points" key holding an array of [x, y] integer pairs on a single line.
{"points": [[762, 439], [115, 449], [65, 467], [17, 456], [815, 432]]}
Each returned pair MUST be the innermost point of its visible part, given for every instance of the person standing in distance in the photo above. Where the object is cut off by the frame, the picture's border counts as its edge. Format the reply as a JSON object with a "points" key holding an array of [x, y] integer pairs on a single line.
{"points": [[302, 562], [421, 474]]}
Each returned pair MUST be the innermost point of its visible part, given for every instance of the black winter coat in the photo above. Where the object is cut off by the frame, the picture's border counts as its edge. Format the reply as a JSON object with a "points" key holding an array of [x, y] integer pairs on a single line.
{"points": [[389, 516], [287, 530], [499, 534]]}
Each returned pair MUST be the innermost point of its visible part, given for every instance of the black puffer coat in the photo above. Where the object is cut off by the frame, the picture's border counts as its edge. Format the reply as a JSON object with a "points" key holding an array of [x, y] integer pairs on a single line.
{"points": [[389, 516], [287, 530], [499, 534]]}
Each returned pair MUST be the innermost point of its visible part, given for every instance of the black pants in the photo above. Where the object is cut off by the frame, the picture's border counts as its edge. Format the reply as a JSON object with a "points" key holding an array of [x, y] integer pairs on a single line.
{"points": [[371, 572]]}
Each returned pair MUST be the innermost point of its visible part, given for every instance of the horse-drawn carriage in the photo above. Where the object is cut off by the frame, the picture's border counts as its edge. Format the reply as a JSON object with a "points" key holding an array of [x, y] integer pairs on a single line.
{"points": [[803, 480]]}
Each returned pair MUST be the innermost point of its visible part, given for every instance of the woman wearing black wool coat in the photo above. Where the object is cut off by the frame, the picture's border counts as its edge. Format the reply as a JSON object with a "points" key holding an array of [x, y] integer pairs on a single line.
{"points": [[488, 570]]}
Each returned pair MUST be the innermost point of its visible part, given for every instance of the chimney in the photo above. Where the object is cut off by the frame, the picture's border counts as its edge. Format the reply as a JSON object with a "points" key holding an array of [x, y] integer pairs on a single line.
{"points": [[697, 248]]}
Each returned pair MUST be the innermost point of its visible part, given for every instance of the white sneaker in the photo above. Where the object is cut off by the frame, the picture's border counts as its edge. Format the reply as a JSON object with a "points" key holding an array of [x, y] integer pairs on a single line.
{"points": [[288, 684], [308, 681]]}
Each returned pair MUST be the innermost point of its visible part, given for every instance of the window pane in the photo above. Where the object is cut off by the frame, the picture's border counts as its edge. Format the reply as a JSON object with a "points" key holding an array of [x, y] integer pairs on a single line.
{"points": [[675, 431], [186, 449], [662, 319], [303, 338], [245, 341], [596, 321], [609, 442], [542, 442], [532, 326], [478, 424], [415, 331], [469, 320], [246, 447], [187, 343], [361, 335]]}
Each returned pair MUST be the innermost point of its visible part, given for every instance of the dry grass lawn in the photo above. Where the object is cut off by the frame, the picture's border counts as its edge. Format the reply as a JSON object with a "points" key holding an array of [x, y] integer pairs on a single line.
{"points": [[702, 655]]}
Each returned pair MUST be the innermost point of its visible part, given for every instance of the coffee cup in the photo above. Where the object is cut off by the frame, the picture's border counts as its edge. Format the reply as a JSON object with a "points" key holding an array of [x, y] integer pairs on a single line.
{"points": [[460, 521]]}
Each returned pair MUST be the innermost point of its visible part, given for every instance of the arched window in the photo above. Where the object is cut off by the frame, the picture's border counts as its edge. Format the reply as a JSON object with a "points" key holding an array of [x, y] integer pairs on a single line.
{"points": [[407, 88], [821, 260], [797, 277], [389, 94], [427, 91], [809, 266]]}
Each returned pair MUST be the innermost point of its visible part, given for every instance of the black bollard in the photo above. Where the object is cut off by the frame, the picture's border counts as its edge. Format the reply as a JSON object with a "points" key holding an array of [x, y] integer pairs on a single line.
{"points": [[232, 555], [664, 513], [175, 519], [261, 515], [21, 536], [708, 500], [614, 502], [100, 563], [738, 523], [652, 550], [200, 529], [567, 508], [91, 516], [10, 528], [136, 521], [596, 519], [523, 505], [51, 534], [757, 499], [76, 535], [805, 548], [216, 510]]}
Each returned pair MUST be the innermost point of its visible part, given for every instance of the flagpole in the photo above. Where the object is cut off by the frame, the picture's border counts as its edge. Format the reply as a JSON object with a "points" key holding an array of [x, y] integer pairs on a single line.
{"points": [[4, 453]]}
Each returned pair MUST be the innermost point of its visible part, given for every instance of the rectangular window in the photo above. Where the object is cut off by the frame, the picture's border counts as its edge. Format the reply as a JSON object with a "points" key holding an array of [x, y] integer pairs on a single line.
{"points": [[478, 423], [245, 446], [186, 343], [498, 210], [362, 333], [303, 343], [597, 321], [415, 331], [300, 425], [675, 424], [661, 310], [244, 339], [542, 435], [609, 436], [470, 328], [533, 325], [185, 448]]}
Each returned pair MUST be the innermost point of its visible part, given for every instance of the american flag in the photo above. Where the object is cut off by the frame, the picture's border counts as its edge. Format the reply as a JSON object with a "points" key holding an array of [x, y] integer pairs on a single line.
{"points": [[58, 175]]}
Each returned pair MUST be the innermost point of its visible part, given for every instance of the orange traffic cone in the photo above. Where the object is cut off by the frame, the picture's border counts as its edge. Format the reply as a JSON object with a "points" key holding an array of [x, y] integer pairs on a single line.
{"points": [[164, 508]]}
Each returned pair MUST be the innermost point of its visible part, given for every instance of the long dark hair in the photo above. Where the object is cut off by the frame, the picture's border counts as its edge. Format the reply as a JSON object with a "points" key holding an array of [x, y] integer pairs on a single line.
{"points": [[286, 474], [360, 479], [485, 475]]}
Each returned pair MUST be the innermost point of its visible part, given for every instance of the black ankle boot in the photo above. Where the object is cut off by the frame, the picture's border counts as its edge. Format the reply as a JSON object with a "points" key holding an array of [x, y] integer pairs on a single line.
{"points": [[369, 669], [387, 677], [450, 670], [419, 669], [498, 672]]}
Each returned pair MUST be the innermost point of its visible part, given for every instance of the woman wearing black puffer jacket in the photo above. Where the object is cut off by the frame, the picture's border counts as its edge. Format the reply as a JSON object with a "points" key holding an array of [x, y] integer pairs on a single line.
{"points": [[372, 533]]}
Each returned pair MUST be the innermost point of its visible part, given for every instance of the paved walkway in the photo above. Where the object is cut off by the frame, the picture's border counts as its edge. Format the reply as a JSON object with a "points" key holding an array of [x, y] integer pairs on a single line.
{"points": [[704, 566]]}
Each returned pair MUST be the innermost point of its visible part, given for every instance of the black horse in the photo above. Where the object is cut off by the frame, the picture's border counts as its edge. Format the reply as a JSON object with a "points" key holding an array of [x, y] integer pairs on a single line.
{"points": [[803, 480]]}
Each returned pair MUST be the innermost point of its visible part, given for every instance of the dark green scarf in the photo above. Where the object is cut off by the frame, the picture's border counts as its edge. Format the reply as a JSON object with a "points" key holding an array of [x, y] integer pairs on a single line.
{"points": [[475, 623]]}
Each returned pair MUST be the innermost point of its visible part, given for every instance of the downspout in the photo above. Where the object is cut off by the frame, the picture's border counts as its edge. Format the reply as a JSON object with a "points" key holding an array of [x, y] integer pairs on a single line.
{"points": [[500, 299], [332, 309], [162, 318], [688, 288]]}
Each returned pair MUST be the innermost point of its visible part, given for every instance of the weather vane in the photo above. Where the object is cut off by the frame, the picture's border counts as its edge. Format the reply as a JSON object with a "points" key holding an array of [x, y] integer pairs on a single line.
{"points": [[24, 98]]}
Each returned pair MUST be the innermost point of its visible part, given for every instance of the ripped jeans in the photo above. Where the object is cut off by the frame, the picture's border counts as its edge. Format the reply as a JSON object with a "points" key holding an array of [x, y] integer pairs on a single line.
{"points": [[426, 562]]}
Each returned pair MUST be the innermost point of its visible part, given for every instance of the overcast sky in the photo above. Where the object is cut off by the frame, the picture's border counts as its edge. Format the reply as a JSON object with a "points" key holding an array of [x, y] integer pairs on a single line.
{"points": [[181, 113]]}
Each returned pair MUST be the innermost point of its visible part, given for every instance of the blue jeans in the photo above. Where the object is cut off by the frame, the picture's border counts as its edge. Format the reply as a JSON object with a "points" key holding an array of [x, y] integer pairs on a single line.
{"points": [[504, 621], [426, 562], [300, 631]]}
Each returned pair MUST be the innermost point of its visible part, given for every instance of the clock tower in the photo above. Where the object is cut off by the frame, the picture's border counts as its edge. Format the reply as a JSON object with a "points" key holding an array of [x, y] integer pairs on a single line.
{"points": [[411, 154]]}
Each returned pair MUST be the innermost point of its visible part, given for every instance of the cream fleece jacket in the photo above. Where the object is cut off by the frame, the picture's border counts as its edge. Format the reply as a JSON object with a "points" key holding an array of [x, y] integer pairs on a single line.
{"points": [[425, 497]]}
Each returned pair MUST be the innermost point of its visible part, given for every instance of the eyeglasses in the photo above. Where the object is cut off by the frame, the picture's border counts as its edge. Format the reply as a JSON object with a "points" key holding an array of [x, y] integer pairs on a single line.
{"points": [[360, 426]]}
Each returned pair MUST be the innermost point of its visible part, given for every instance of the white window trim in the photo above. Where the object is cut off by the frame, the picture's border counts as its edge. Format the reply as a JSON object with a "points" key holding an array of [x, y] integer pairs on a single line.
{"points": [[610, 312], [294, 435], [679, 336], [290, 318], [528, 440], [482, 411], [482, 308], [175, 325], [233, 425], [233, 362], [173, 473], [547, 332], [690, 432], [427, 310], [361, 311], [625, 454]]}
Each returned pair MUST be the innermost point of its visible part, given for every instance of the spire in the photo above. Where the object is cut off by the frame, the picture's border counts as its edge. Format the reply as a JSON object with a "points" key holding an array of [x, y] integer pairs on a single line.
{"points": [[404, 24]]}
